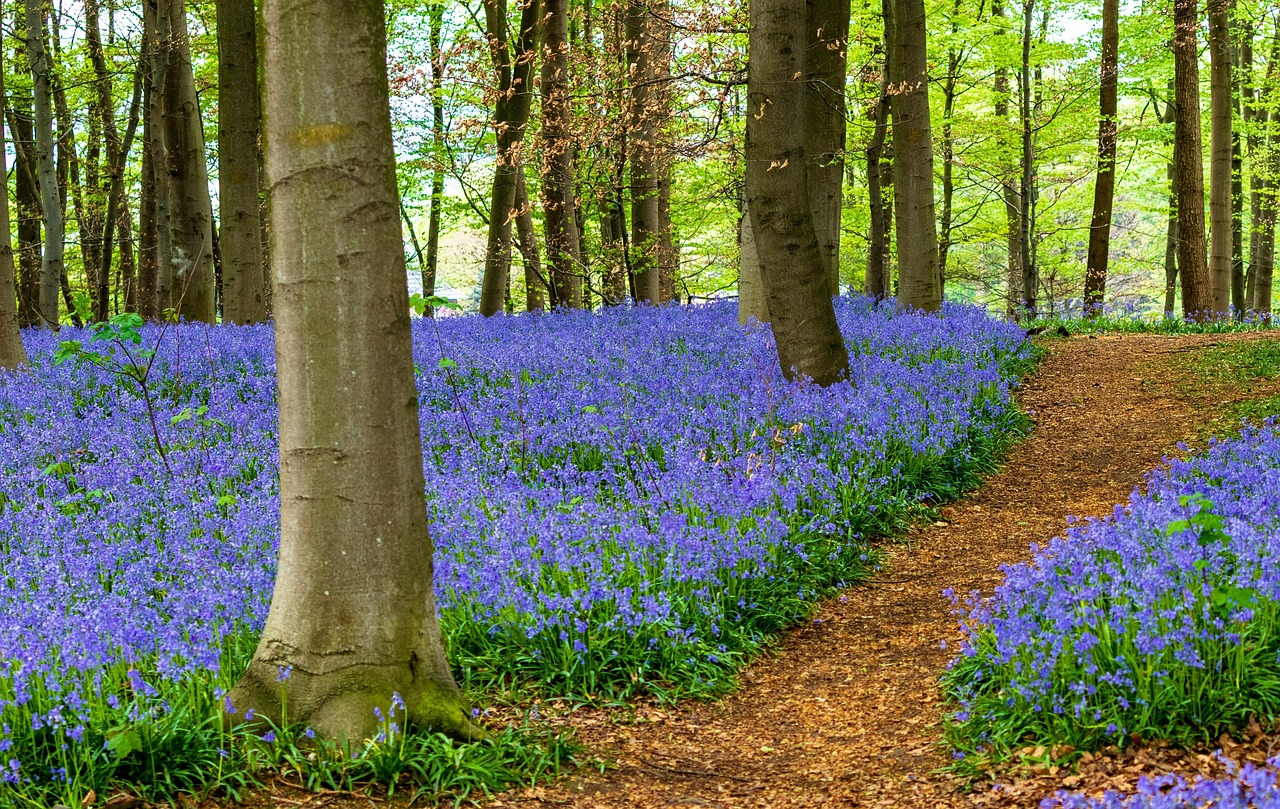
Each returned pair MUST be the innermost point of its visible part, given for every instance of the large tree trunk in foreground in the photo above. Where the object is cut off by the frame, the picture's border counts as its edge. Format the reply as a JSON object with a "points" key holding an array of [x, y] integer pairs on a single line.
{"points": [[1197, 291], [51, 268], [1104, 188], [240, 233], [796, 283], [13, 353], [919, 281], [825, 125], [353, 611], [1220, 156]]}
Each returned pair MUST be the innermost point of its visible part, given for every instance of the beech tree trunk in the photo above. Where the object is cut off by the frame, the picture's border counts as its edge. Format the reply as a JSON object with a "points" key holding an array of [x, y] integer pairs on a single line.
{"points": [[190, 211], [563, 252], [527, 242], [796, 283], [1104, 188], [1171, 226], [919, 281], [752, 304], [1220, 138], [51, 267], [13, 354], [825, 125], [1009, 193], [1262, 201], [1198, 297], [353, 613], [510, 116], [877, 275], [1030, 285], [26, 198], [239, 184], [646, 54]]}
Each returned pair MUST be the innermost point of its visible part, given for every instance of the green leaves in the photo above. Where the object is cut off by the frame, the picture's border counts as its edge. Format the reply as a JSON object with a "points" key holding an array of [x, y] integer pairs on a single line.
{"points": [[421, 305]]}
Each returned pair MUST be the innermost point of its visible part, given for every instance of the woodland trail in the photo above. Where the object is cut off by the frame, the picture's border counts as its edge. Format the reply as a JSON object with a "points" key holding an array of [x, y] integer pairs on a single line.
{"points": [[845, 712]]}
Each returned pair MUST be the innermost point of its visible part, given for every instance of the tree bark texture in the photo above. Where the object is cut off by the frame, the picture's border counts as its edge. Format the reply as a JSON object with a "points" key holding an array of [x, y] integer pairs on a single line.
{"points": [[26, 202], [239, 183], [796, 284], [878, 267], [1198, 298], [1171, 223], [51, 267], [1104, 187], [353, 611], [1220, 124], [13, 354], [563, 251], [1030, 285], [511, 115], [825, 125], [751, 300], [919, 282], [648, 51]]}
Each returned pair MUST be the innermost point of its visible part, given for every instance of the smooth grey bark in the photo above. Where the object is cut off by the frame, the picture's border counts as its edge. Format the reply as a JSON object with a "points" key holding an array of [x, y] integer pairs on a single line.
{"points": [[1171, 223], [647, 51], [510, 117], [1104, 187], [876, 282], [1009, 186], [751, 300], [563, 249], [1220, 138], [796, 284], [825, 125], [51, 267], [527, 244], [239, 184], [431, 268], [1198, 299], [13, 354], [1030, 284], [190, 209], [919, 280], [353, 611], [26, 209], [1262, 200]]}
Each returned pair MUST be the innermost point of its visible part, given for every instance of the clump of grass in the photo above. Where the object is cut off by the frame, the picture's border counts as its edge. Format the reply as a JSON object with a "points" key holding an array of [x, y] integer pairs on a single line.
{"points": [[1241, 367], [1135, 322]]}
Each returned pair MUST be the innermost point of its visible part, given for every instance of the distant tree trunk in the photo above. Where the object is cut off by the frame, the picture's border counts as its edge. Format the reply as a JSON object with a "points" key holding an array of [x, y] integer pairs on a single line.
{"points": [[511, 114], [239, 206], [190, 209], [1009, 193], [1171, 226], [1263, 165], [646, 53], [796, 283], [612, 245], [752, 304], [1104, 188], [877, 278], [47, 172], [948, 146], [1197, 290], [1220, 138], [157, 211], [668, 251], [1238, 303], [432, 269], [527, 242], [1027, 192], [13, 354], [563, 250], [825, 125], [353, 613], [26, 206], [919, 282]]}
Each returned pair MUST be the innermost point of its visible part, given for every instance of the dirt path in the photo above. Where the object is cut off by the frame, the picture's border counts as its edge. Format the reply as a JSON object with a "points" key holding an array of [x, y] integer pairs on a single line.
{"points": [[846, 713]]}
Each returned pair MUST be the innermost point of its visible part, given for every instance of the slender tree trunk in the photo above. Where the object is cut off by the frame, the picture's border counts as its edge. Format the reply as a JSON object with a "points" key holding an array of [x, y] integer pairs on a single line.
{"points": [[156, 209], [877, 278], [26, 205], [13, 354], [1104, 188], [1198, 299], [919, 282], [1171, 226], [511, 114], [1009, 193], [668, 252], [190, 209], [948, 146], [353, 613], [1263, 164], [825, 125], [47, 173], [1238, 303], [239, 207], [1220, 125], [527, 243], [796, 283], [563, 250], [432, 269], [1027, 192], [645, 55]]}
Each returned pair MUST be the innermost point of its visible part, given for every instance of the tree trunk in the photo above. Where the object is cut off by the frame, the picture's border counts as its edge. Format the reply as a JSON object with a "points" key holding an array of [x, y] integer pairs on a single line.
{"points": [[563, 249], [432, 269], [1263, 164], [190, 210], [1198, 300], [1220, 125], [919, 283], [751, 299], [13, 354], [527, 243], [1104, 188], [1030, 284], [797, 286], [1009, 194], [948, 147], [353, 614], [239, 207], [825, 125], [1171, 226], [646, 54], [668, 252], [877, 277], [510, 116], [157, 231], [47, 173], [26, 204]]}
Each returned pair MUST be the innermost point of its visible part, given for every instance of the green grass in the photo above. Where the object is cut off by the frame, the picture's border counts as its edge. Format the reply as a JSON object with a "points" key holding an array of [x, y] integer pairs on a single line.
{"points": [[1143, 324], [1238, 368]]}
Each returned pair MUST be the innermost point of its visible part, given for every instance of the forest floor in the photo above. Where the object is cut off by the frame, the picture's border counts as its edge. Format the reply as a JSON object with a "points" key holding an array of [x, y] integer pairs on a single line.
{"points": [[846, 709]]}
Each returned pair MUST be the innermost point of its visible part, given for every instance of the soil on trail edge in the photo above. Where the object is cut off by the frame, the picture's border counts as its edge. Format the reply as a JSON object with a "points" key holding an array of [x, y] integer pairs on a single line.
{"points": [[846, 711]]}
